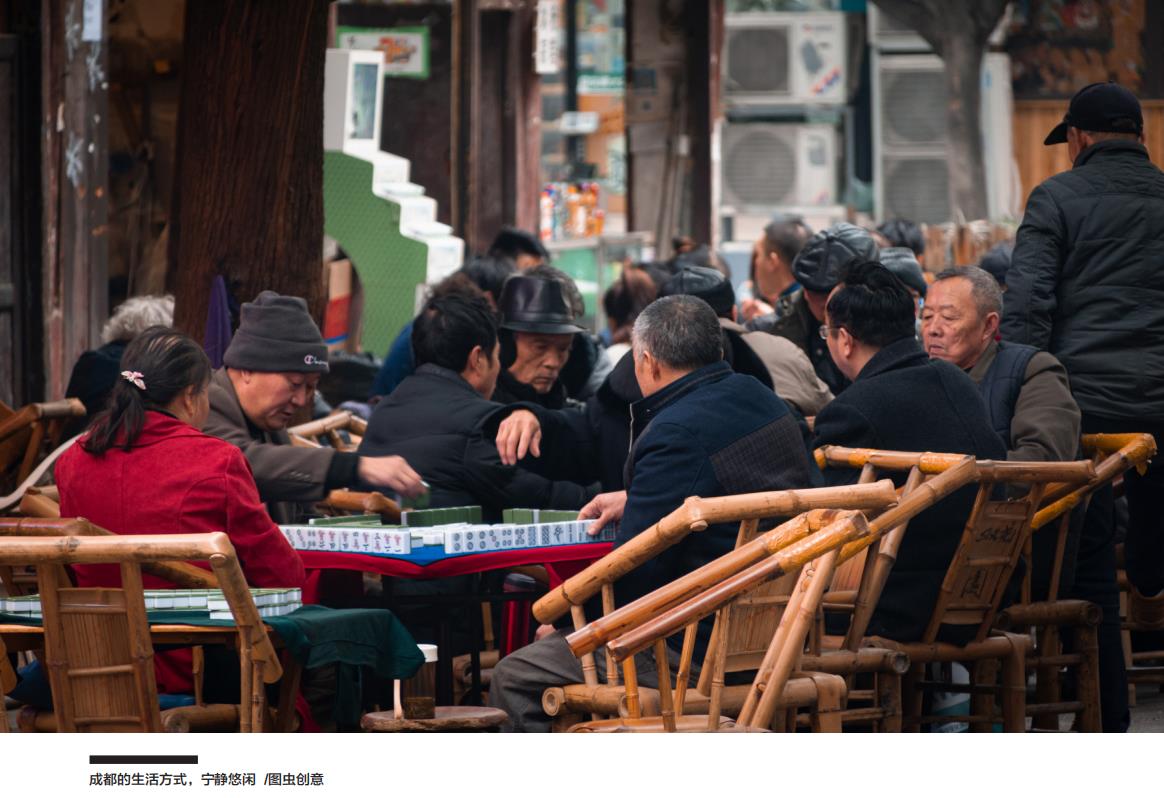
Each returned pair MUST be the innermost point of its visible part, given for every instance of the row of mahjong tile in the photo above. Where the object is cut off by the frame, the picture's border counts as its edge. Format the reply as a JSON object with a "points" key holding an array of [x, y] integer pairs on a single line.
{"points": [[455, 538], [155, 600]]}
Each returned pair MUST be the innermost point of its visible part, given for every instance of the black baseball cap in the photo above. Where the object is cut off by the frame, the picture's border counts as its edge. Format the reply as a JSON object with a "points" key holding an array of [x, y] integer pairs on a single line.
{"points": [[1102, 107]]}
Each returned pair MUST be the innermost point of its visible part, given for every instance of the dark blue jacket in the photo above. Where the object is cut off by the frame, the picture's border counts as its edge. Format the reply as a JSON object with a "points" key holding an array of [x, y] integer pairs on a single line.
{"points": [[711, 433], [905, 401]]}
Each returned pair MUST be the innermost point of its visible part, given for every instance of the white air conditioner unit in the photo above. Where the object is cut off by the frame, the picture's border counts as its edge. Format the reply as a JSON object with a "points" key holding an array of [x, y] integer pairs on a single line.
{"points": [[764, 166], [910, 159], [773, 59]]}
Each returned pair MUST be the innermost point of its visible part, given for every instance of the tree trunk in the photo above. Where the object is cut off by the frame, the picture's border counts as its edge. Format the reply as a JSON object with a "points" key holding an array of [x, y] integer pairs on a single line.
{"points": [[248, 188], [963, 62], [958, 33]]}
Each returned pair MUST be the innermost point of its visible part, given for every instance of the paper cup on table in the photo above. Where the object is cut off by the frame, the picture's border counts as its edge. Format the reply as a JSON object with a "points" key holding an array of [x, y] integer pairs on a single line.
{"points": [[416, 696]]}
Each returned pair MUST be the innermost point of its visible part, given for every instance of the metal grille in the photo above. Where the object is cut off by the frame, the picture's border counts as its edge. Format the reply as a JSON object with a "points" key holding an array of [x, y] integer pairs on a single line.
{"points": [[759, 165], [913, 107], [757, 60], [916, 189]]}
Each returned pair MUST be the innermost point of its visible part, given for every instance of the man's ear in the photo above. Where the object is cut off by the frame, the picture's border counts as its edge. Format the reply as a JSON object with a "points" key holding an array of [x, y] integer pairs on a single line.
{"points": [[992, 324], [845, 341], [475, 360]]}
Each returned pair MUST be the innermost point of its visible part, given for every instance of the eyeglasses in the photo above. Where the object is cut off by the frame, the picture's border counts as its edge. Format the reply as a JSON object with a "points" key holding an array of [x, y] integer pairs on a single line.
{"points": [[825, 330]]}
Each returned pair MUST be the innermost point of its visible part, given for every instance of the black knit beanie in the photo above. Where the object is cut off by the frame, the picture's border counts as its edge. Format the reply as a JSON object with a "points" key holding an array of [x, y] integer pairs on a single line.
{"points": [[276, 333]]}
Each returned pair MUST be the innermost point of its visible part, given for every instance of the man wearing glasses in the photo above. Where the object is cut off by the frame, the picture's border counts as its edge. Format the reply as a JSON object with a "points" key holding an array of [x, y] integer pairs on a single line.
{"points": [[272, 367]]}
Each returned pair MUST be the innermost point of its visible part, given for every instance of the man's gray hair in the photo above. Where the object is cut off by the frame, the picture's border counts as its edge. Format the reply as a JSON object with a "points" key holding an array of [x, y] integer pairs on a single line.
{"points": [[681, 332], [136, 314], [983, 287]]}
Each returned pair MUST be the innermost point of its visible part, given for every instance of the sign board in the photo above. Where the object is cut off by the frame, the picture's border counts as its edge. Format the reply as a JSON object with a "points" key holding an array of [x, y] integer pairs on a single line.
{"points": [[578, 123], [406, 50], [548, 38]]}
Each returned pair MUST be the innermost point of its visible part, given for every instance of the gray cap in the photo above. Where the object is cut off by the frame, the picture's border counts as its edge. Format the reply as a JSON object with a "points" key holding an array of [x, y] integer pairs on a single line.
{"points": [[821, 263], [902, 262], [276, 333]]}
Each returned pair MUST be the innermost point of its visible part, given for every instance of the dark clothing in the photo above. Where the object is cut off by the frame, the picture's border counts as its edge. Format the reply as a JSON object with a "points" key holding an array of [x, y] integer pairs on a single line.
{"points": [[903, 400], [92, 380], [1085, 284], [399, 362], [445, 430], [1003, 383], [794, 321], [608, 417], [687, 444]]}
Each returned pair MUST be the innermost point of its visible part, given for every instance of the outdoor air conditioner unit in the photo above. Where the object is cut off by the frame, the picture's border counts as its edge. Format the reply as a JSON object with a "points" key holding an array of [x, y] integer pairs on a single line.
{"points": [[910, 159], [766, 166], [773, 59]]}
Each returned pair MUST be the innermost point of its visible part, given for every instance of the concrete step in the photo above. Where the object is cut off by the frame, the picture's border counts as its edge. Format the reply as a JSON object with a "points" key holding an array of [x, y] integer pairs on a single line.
{"points": [[387, 168], [398, 189]]}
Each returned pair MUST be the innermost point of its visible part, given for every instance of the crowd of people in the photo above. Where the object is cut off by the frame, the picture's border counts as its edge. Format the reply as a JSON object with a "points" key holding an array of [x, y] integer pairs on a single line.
{"points": [[495, 395]]}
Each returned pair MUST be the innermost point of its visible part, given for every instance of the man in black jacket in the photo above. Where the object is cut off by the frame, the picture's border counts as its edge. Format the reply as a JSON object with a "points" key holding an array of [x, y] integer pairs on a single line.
{"points": [[1085, 284], [818, 268], [901, 399], [441, 420], [701, 430]]}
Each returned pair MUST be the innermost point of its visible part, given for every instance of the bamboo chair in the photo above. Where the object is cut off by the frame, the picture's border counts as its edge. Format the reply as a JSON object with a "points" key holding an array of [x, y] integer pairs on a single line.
{"points": [[976, 580], [99, 654], [310, 435], [693, 516], [343, 502], [7, 685], [811, 561], [25, 433], [1043, 620]]}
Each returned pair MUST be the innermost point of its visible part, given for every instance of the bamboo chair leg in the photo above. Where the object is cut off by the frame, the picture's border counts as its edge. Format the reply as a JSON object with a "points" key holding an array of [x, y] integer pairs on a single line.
{"points": [[631, 677], [983, 672], [1014, 686], [888, 690], [1047, 687], [198, 669], [684, 674], [911, 698], [607, 609], [665, 699], [589, 669], [1087, 678], [715, 705], [830, 702]]}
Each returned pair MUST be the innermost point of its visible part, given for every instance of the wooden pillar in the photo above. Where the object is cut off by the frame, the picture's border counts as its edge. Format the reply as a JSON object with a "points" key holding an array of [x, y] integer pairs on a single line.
{"points": [[75, 155], [248, 189]]}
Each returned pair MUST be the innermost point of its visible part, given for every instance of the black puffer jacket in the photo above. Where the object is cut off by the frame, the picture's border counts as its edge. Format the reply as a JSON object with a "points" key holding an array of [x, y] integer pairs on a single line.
{"points": [[1087, 280]]}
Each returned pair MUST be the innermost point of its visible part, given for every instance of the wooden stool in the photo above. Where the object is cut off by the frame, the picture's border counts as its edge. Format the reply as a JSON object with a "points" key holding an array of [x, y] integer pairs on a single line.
{"points": [[448, 719]]}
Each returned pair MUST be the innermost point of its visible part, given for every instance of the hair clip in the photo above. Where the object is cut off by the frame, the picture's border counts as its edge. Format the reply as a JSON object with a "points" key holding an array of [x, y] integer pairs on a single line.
{"points": [[135, 377]]}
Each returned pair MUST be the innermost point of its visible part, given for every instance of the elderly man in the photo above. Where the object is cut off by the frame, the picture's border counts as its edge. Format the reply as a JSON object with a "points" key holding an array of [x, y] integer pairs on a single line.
{"points": [[818, 268], [1031, 408], [537, 336], [900, 399], [271, 369], [685, 444], [441, 418], [1084, 284]]}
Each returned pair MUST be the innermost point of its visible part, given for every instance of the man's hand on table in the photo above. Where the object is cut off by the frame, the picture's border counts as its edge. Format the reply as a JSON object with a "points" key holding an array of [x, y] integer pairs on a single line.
{"points": [[391, 472], [519, 434], [606, 507]]}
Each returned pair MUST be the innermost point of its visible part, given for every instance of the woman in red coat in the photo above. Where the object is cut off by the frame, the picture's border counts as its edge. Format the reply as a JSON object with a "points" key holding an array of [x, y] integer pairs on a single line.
{"points": [[146, 468]]}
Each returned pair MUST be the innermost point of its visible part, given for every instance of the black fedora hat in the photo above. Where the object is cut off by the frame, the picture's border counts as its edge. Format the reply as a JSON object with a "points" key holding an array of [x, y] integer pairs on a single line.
{"points": [[535, 305]]}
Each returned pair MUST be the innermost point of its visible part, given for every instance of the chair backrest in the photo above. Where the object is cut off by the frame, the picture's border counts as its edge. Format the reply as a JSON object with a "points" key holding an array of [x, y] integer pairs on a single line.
{"points": [[97, 641], [181, 574], [1112, 455], [696, 515], [811, 559], [330, 427], [993, 538], [24, 432], [343, 501]]}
